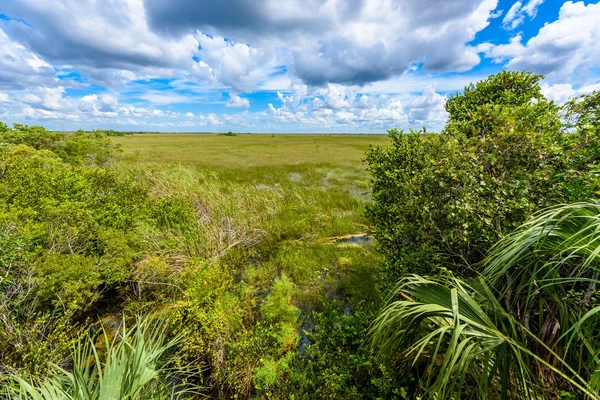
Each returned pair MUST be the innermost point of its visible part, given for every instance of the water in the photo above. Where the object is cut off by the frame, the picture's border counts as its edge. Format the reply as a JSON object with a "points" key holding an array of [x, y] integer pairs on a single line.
{"points": [[305, 330], [362, 240]]}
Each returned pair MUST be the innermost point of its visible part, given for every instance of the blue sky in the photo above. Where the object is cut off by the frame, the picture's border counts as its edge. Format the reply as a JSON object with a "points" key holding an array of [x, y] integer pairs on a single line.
{"points": [[272, 66]]}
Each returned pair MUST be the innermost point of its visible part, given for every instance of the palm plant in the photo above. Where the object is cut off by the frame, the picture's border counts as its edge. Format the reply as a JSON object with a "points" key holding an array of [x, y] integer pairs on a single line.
{"points": [[528, 323], [130, 367]]}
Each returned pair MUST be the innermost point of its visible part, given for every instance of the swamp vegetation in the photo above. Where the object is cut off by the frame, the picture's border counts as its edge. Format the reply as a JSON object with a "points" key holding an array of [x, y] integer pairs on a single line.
{"points": [[463, 264]]}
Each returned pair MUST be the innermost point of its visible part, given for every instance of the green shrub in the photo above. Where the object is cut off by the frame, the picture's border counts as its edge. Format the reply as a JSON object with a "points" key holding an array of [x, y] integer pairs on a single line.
{"points": [[79, 148], [132, 365], [507, 101], [583, 113], [337, 364], [445, 199]]}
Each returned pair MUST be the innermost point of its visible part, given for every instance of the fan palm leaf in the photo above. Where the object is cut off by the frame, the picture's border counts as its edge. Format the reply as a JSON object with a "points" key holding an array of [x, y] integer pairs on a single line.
{"points": [[130, 367], [526, 324]]}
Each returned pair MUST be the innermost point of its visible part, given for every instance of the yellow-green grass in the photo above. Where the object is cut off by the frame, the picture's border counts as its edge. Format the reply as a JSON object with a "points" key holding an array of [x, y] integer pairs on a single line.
{"points": [[319, 181], [218, 151], [265, 209], [266, 206]]}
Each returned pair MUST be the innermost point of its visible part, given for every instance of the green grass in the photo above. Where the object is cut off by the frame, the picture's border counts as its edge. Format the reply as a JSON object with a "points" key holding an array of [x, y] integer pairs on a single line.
{"points": [[285, 196], [217, 151], [257, 210], [315, 184]]}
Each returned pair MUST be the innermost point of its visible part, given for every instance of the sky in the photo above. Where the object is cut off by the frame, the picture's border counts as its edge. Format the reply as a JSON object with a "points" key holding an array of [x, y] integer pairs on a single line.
{"points": [[279, 66]]}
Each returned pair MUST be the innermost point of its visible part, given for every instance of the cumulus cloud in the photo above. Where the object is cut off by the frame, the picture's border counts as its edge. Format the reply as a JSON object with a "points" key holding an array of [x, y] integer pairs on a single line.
{"points": [[563, 92], [236, 65], [20, 67], [99, 106], [349, 109], [560, 47], [350, 41], [325, 64], [236, 101], [109, 35], [237, 44]]}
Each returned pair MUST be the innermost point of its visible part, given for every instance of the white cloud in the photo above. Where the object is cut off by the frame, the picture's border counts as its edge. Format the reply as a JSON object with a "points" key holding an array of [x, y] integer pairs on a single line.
{"points": [[20, 67], [236, 101], [513, 18], [105, 105], [109, 35], [561, 47], [563, 92], [517, 13], [165, 97], [362, 65], [428, 109], [360, 112], [339, 96], [235, 65], [532, 6], [320, 41]]}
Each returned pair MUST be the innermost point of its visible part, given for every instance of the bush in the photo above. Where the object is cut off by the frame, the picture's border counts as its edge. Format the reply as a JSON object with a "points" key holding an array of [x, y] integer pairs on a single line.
{"points": [[337, 364], [509, 100], [79, 148], [445, 199]]}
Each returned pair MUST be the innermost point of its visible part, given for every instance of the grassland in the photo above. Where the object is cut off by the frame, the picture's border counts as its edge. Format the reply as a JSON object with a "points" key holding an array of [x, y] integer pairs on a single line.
{"points": [[239, 243], [216, 151], [321, 172], [270, 212]]}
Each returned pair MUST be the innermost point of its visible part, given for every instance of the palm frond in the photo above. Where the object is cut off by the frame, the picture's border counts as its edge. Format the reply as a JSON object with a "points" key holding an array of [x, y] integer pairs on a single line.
{"points": [[527, 324], [131, 366]]}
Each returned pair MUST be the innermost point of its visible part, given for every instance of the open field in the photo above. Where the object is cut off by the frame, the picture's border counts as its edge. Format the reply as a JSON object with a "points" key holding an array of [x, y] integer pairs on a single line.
{"points": [[330, 163], [212, 150]]}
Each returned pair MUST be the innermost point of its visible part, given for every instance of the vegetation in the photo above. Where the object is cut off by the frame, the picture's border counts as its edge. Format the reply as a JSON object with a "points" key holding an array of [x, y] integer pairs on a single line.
{"points": [[253, 260], [444, 200], [496, 312], [130, 366], [235, 259]]}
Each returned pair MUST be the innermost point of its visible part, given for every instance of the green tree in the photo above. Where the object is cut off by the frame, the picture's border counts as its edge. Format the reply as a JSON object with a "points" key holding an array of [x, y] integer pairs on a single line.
{"points": [[444, 200], [509, 100], [583, 113]]}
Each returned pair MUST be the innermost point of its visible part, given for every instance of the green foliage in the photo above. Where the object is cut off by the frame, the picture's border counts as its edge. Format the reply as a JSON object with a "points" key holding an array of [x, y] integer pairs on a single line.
{"points": [[442, 202], [445, 199], [278, 307], [525, 329], [67, 282], [70, 234], [231, 257], [507, 101], [338, 365], [112, 132], [131, 365], [79, 148], [583, 113]]}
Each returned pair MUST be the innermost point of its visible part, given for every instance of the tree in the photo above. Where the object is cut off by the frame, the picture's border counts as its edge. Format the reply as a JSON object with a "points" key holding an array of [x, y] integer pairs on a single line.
{"points": [[583, 113], [444, 200], [509, 100]]}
